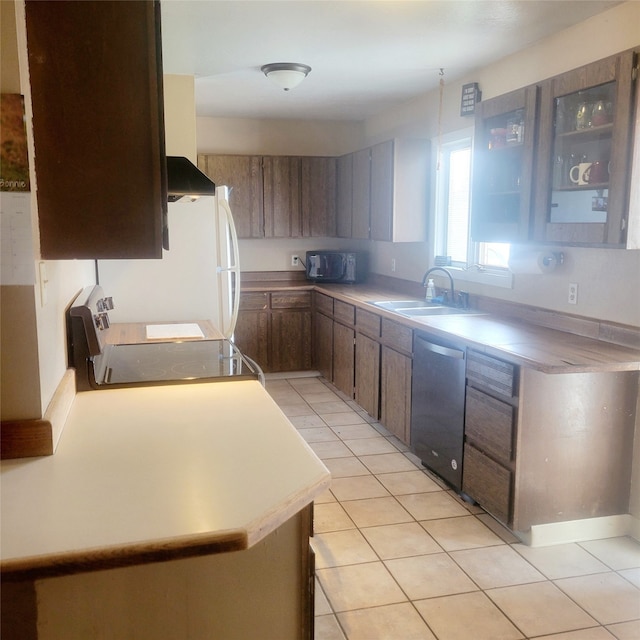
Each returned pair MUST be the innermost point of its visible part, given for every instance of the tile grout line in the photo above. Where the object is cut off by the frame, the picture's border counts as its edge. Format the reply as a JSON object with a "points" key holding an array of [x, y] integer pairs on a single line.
{"points": [[503, 542]]}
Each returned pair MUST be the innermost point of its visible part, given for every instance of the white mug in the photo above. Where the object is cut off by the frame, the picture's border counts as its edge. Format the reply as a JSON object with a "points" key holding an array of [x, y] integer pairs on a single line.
{"points": [[582, 176]]}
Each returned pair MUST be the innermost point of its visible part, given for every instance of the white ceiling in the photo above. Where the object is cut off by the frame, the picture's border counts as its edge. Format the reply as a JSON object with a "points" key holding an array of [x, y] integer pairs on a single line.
{"points": [[366, 56]]}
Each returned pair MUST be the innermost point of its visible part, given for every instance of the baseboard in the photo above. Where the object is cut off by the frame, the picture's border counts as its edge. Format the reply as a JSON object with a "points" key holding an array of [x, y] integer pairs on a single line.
{"points": [[39, 436], [582, 530]]}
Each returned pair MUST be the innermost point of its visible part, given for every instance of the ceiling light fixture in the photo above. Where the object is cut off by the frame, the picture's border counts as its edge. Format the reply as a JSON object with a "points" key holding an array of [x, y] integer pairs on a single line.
{"points": [[286, 75]]}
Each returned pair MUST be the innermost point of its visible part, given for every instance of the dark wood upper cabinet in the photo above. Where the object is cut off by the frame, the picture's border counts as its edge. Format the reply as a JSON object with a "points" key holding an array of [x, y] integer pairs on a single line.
{"points": [[243, 176], [382, 176], [344, 196], [318, 196], [281, 176], [583, 166], [504, 142], [354, 194], [361, 204], [98, 125]]}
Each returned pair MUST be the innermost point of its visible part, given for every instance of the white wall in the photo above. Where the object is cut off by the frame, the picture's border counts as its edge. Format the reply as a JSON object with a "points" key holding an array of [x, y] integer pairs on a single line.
{"points": [[278, 137]]}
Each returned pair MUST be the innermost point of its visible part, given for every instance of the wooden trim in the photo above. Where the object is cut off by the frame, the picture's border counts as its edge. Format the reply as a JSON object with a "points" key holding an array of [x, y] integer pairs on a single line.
{"points": [[39, 436], [25, 438]]}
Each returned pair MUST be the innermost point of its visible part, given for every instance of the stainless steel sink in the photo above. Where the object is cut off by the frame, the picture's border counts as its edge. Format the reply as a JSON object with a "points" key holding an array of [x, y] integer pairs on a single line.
{"points": [[418, 308], [433, 311], [394, 305]]}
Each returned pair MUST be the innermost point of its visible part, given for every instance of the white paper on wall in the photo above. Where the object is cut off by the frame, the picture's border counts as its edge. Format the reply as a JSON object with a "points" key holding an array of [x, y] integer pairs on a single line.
{"points": [[16, 248]]}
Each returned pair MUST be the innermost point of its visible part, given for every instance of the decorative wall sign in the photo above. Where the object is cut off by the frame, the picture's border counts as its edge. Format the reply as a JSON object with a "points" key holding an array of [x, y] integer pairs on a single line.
{"points": [[14, 158], [470, 95]]}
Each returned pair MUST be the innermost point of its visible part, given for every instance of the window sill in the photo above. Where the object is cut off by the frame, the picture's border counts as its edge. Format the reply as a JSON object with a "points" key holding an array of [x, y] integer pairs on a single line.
{"points": [[495, 278]]}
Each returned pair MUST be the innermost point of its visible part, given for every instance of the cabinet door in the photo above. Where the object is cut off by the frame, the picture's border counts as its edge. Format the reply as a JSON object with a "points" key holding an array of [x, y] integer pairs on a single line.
{"points": [[367, 374], [395, 393], [251, 335], [503, 167], [281, 177], [382, 191], [243, 176], [291, 340], [361, 210], [344, 195], [98, 125], [323, 345], [584, 154], [318, 196], [343, 358]]}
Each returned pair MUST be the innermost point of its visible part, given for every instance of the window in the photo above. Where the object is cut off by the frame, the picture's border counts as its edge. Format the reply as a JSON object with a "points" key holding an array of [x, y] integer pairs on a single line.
{"points": [[453, 188]]}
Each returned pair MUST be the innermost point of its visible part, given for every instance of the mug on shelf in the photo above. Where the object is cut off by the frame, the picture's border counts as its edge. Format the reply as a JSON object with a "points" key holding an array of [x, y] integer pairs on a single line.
{"points": [[599, 172], [580, 173]]}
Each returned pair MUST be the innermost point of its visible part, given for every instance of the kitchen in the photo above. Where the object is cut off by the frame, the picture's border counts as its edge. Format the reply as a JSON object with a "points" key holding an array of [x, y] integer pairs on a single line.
{"points": [[606, 289]]}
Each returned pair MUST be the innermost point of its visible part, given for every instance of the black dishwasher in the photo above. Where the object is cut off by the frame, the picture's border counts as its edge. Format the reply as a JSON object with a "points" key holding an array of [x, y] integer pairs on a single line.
{"points": [[437, 407]]}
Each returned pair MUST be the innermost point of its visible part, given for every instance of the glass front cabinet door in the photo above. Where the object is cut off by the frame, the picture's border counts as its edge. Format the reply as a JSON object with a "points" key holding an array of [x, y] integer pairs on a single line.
{"points": [[582, 166], [505, 132]]}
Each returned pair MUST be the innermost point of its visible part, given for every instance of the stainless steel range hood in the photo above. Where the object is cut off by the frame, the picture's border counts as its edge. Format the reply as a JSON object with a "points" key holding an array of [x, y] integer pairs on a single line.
{"points": [[185, 181]]}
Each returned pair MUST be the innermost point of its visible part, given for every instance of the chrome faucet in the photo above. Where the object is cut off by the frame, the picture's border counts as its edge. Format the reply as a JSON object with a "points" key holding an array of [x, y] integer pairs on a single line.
{"points": [[430, 271]]}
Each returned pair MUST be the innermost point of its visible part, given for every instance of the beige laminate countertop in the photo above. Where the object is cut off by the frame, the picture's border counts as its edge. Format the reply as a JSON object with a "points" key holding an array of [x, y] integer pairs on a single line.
{"points": [[541, 348], [156, 473]]}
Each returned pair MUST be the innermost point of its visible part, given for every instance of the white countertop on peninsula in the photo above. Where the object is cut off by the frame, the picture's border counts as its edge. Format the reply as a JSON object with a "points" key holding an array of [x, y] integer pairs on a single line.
{"points": [[156, 473]]}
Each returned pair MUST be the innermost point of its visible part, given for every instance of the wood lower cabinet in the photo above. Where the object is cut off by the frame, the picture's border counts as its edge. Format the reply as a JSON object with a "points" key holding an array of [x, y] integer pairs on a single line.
{"points": [[343, 358], [274, 329], [323, 345], [290, 331], [367, 364], [367, 374], [395, 378], [252, 328], [395, 393], [490, 433], [95, 71], [546, 448]]}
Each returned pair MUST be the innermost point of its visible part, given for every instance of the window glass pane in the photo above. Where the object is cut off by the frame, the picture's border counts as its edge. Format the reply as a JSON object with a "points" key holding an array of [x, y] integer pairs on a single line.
{"points": [[493, 254], [458, 203]]}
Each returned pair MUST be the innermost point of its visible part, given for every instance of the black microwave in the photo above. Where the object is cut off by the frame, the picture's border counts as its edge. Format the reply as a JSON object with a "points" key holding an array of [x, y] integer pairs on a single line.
{"points": [[336, 266]]}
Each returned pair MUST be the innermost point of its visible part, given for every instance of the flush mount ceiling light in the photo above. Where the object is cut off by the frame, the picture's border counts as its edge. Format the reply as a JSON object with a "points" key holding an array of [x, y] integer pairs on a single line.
{"points": [[286, 75]]}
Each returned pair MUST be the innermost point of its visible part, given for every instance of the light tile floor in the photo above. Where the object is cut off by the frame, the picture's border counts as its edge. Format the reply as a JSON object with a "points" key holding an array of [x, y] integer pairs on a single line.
{"points": [[401, 557]]}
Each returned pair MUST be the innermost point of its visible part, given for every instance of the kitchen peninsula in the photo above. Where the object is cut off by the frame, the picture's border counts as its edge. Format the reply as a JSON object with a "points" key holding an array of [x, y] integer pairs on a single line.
{"points": [[195, 496]]}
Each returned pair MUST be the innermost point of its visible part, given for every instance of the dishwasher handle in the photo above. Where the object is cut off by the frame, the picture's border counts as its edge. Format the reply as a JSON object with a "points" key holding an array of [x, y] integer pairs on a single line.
{"points": [[443, 351]]}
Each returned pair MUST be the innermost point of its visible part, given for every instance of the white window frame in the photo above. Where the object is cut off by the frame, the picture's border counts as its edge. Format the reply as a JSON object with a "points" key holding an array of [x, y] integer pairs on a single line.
{"points": [[469, 271]]}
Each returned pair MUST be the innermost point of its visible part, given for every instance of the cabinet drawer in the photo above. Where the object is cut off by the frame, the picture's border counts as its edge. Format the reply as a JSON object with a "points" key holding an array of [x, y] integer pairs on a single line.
{"points": [[344, 312], [487, 482], [367, 322], [291, 300], [323, 303], [397, 336], [254, 301], [489, 423], [490, 373]]}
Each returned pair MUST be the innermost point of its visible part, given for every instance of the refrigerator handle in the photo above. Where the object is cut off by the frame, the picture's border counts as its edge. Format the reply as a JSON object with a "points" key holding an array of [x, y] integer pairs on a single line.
{"points": [[232, 268]]}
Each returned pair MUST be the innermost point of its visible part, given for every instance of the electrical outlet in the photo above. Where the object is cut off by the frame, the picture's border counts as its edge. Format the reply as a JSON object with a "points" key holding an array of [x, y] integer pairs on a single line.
{"points": [[573, 293], [295, 260]]}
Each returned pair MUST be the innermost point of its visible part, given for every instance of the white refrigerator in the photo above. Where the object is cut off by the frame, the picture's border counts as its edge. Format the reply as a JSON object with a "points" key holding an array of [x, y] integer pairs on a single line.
{"points": [[198, 278]]}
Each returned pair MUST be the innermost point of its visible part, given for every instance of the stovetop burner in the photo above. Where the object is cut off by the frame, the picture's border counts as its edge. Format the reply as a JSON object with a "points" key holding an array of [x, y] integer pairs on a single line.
{"points": [[133, 364], [106, 366]]}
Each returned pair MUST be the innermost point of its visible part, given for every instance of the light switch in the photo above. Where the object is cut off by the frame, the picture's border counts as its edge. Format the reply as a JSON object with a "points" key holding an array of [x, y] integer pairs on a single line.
{"points": [[42, 273]]}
